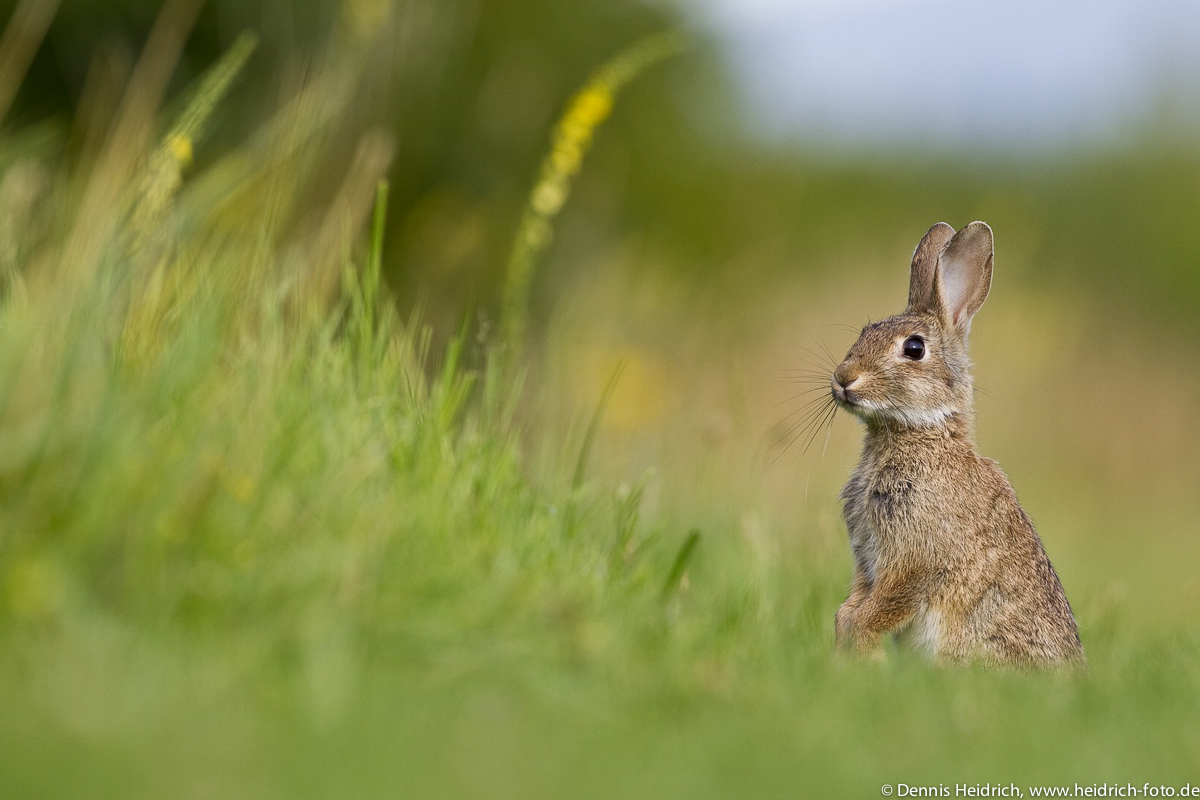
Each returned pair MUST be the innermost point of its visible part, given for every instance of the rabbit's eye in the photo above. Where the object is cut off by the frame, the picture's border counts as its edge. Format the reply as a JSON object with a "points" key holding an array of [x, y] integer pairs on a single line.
{"points": [[914, 348]]}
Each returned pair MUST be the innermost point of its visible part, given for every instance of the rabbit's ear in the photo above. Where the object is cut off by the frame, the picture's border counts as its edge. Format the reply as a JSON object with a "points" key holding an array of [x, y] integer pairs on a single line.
{"points": [[924, 266], [964, 275]]}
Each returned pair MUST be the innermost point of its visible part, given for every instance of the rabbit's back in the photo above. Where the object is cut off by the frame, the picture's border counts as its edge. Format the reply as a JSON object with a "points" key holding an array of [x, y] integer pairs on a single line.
{"points": [[1009, 605]]}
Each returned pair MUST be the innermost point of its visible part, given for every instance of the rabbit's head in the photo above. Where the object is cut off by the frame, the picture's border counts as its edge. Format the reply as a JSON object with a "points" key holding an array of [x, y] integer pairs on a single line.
{"points": [[912, 369]]}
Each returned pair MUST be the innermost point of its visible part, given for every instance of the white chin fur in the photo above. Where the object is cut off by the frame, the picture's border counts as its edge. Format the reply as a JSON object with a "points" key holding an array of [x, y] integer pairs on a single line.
{"points": [[908, 417]]}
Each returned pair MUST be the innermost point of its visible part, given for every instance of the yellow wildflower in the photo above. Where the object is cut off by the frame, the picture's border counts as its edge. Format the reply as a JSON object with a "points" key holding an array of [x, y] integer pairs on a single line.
{"points": [[180, 147], [570, 141]]}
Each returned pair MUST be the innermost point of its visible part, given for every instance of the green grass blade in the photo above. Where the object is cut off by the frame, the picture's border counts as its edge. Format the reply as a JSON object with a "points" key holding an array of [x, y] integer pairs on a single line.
{"points": [[593, 428], [679, 566]]}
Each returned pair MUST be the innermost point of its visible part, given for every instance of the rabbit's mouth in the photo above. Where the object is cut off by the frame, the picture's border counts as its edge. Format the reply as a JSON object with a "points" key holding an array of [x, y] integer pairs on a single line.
{"points": [[849, 397], [856, 404], [853, 403], [846, 395]]}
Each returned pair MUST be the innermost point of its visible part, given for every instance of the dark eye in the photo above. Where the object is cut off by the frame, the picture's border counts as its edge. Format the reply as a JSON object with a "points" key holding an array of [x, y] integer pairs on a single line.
{"points": [[914, 348]]}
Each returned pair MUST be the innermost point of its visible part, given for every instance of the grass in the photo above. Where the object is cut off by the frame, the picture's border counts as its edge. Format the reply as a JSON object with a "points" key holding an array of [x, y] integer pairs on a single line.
{"points": [[257, 540]]}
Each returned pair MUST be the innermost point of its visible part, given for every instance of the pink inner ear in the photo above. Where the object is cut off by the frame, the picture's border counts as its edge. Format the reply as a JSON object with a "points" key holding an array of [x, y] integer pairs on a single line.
{"points": [[955, 290]]}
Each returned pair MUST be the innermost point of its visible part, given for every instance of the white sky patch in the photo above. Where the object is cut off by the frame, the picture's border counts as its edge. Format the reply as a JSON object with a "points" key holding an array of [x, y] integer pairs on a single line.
{"points": [[1012, 73], [767, 12]]}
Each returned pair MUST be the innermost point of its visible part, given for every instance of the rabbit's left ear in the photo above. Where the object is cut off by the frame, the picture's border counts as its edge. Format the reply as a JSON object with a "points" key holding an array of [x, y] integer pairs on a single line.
{"points": [[924, 266], [964, 276]]}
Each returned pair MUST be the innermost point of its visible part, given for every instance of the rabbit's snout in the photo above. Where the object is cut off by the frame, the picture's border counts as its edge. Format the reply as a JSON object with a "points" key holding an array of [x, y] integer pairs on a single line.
{"points": [[843, 383]]}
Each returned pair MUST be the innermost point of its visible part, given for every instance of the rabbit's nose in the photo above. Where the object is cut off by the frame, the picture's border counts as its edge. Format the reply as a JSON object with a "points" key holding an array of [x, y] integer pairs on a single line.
{"points": [[844, 379], [843, 382]]}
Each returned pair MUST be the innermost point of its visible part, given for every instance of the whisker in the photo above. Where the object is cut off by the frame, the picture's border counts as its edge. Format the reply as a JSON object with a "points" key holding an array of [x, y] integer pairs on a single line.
{"points": [[845, 325], [819, 367], [793, 432], [808, 413], [801, 394], [824, 358], [984, 392], [810, 373], [819, 356], [823, 377], [831, 410], [821, 344], [801, 427], [812, 380], [828, 430], [827, 423]]}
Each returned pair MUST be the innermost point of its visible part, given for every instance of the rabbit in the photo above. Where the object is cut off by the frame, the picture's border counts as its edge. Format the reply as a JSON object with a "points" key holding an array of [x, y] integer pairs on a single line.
{"points": [[944, 557]]}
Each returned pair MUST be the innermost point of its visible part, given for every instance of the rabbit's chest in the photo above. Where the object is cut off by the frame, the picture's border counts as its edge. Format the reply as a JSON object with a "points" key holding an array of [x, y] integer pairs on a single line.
{"points": [[879, 505], [861, 526]]}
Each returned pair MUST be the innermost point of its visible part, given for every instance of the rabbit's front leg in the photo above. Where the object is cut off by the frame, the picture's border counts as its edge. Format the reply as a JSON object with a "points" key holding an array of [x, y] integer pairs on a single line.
{"points": [[889, 604], [844, 620]]}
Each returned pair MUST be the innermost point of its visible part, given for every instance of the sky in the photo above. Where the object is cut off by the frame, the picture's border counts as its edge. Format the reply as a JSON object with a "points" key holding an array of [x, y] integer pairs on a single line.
{"points": [[1006, 74]]}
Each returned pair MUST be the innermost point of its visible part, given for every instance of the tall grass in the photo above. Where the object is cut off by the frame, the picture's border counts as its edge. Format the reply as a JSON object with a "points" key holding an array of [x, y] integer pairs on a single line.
{"points": [[230, 473]]}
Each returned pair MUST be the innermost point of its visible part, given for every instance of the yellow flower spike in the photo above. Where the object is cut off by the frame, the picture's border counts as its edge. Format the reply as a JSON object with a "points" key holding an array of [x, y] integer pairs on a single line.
{"points": [[549, 198], [592, 106], [164, 171], [566, 157], [570, 140], [180, 147]]}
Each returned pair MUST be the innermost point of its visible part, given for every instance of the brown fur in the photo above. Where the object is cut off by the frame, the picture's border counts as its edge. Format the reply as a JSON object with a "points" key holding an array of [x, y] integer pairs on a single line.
{"points": [[945, 558]]}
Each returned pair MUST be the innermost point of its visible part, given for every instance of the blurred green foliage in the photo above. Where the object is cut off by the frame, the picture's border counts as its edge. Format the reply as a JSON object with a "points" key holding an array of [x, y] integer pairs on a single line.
{"points": [[469, 89]]}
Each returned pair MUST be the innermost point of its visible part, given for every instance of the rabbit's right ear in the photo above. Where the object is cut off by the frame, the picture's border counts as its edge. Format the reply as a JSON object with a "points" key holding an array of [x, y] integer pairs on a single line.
{"points": [[924, 268], [964, 276]]}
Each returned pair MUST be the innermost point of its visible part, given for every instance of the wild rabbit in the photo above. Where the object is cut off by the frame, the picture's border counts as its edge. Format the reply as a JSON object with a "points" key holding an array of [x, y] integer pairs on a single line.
{"points": [[945, 558]]}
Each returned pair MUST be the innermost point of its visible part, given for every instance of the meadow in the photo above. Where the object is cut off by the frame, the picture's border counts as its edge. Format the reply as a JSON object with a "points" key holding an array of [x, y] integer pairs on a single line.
{"points": [[290, 506]]}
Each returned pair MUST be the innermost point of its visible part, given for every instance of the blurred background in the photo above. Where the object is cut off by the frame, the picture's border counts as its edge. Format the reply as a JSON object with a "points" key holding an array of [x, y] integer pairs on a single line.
{"points": [[747, 206]]}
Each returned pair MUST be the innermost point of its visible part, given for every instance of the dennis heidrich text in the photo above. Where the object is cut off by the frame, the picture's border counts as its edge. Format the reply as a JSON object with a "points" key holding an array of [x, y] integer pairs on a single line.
{"points": [[960, 790]]}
